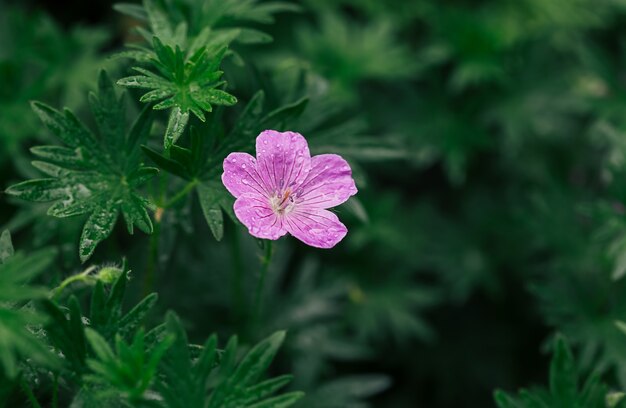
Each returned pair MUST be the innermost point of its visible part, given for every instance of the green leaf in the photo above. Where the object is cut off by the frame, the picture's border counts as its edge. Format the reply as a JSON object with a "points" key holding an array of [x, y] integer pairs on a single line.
{"points": [[18, 270], [106, 312], [185, 379], [225, 19], [98, 227], [17, 340], [133, 10], [66, 334], [6, 246], [503, 400], [175, 126], [238, 385], [249, 124], [127, 371], [258, 359], [278, 117], [214, 199], [280, 401], [563, 375], [96, 175], [614, 398], [179, 81], [99, 345], [564, 391], [129, 322], [167, 163]]}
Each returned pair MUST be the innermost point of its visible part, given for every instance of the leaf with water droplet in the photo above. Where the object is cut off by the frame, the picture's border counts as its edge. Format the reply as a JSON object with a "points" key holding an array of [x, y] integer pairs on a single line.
{"points": [[214, 199], [192, 86], [97, 173]]}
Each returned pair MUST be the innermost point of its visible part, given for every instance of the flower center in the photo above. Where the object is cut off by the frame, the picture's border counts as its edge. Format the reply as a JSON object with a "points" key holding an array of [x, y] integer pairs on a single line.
{"points": [[283, 203]]}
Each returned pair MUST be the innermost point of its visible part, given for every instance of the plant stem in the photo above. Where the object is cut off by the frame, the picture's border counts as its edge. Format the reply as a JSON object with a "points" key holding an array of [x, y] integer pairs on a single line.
{"points": [[29, 393], [153, 253], [83, 276], [265, 263], [237, 288], [181, 194]]}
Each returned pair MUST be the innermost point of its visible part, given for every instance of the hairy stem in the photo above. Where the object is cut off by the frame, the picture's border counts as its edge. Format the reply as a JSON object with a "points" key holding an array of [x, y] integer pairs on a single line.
{"points": [[81, 277]]}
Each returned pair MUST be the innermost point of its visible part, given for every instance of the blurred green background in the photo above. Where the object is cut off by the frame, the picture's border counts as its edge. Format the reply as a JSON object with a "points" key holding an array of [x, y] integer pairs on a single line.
{"points": [[488, 143]]}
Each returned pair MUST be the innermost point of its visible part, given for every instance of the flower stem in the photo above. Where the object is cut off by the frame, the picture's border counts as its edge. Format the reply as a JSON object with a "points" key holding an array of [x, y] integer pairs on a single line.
{"points": [[237, 287], [181, 194], [153, 253], [81, 277], [265, 263]]}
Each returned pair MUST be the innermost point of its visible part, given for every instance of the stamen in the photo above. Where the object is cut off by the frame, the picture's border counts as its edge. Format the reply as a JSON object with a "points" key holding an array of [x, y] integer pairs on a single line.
{"points": [[282, 203]]}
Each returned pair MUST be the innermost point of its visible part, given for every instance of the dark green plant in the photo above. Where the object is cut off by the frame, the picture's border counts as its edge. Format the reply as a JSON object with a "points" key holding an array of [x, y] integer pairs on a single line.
{"points": [[565, 389]]}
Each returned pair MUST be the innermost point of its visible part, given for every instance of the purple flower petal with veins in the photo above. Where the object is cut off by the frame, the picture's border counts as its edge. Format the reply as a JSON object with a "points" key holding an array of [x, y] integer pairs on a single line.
{"points": [[285, 190]]}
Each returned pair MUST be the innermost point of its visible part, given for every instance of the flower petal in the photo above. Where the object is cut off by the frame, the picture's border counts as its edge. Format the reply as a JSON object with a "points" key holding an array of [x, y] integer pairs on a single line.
{"points": [[255, 213], [283, 158], [318, 228], [241, 176], [329, 183]]}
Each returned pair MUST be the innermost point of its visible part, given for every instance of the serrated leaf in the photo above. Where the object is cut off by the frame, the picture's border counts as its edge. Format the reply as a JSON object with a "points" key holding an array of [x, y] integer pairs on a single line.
{"points": [[98, 227], [237, 386], [96, 175], [129, 369], [175, 126], [182, 82], [16, 339]]}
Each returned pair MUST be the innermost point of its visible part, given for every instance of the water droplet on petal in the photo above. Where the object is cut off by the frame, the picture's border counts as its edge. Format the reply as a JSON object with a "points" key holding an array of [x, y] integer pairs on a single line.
{"points": [[245, 181], [243, 166], [265, 142]]}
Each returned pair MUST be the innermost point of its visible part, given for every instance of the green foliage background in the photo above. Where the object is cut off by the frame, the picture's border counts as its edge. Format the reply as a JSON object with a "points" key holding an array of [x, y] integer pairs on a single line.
{"points": [[486, 251]]}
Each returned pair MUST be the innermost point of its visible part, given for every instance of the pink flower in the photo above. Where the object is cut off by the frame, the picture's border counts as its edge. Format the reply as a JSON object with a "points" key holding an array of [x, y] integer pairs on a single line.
{"points": [[285, 190]]}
